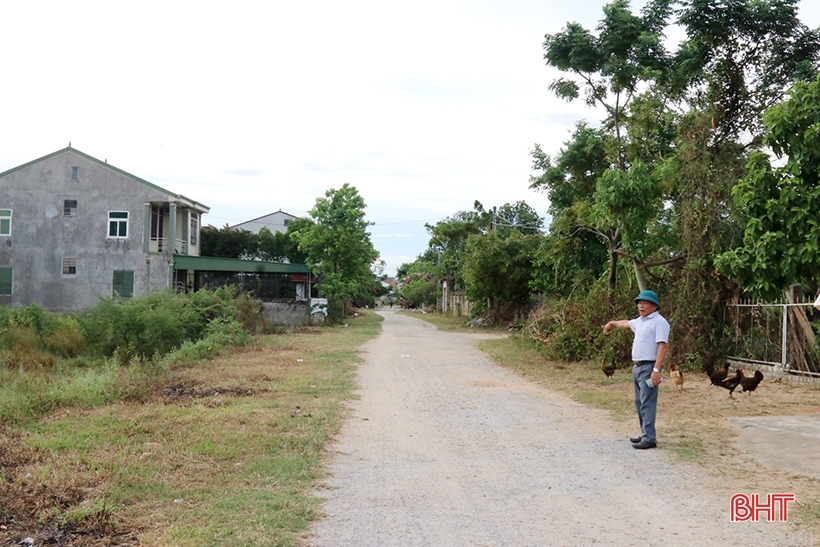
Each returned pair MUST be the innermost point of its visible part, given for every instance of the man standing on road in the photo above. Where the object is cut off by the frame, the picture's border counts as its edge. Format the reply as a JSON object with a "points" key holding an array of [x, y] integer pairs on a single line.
{"points": [[648, 352]]}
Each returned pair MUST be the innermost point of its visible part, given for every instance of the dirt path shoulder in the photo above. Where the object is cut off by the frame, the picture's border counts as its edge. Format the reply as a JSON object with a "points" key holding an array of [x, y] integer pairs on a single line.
{"points": [[444, 448]]}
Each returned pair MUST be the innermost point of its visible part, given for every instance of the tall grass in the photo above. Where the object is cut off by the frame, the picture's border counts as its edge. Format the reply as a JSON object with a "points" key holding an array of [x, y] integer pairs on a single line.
{"points": [[110, 352]]}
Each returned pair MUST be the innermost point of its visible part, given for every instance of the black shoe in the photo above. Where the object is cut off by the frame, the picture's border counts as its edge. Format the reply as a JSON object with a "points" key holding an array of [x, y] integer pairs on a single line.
{"points": [[635, 440], [643, 445]]}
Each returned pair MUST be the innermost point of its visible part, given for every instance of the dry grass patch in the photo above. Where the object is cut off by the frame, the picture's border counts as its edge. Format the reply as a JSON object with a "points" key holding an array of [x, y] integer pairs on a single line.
{"points": [[219, 452]]}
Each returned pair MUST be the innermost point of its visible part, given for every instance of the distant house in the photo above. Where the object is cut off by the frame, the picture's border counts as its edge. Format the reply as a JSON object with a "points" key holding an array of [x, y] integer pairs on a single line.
{"points": [[74, 228], [275, 222]]}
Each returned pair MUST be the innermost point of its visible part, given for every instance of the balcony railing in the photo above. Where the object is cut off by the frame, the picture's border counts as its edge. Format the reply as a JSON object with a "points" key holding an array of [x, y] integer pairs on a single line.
{"points": [[160, 244]]}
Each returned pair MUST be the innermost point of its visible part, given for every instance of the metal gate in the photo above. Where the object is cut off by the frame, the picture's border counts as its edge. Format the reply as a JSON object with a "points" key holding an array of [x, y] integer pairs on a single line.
{"points": [[781, 334]]}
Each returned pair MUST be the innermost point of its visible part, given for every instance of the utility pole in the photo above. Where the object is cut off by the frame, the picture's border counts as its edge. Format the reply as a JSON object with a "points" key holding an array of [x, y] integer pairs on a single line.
{"points": [[495, 219]]}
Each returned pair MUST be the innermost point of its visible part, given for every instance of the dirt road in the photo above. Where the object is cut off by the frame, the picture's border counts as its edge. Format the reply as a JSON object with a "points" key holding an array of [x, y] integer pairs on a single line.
{"points": [[446, 449]]}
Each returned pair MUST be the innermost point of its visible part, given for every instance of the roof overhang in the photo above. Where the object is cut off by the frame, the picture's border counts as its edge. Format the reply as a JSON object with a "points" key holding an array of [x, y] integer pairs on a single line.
{"points": [[215, 264]]}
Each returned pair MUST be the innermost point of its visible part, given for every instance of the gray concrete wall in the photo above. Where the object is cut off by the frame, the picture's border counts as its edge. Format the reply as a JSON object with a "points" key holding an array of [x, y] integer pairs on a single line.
{"points": [[290, 312], [42, 235]]}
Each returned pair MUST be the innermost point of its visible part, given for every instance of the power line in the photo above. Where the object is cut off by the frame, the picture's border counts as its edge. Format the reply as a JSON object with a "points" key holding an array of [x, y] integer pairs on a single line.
{"points": [[406, 221]]}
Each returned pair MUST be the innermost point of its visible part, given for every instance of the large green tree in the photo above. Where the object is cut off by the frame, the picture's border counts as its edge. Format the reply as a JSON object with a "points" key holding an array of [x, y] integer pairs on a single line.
{"points": [[338, 248], [448, 240], [738, 57], [780, 206], [498, 271], [677, 132]]}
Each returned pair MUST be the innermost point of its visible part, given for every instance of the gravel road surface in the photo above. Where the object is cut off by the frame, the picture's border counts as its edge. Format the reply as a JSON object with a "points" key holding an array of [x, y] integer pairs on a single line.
{"points": [[444, 448]]}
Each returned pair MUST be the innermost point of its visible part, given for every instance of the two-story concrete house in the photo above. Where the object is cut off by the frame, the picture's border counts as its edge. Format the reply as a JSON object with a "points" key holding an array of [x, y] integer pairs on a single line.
{"points": [[74, 229]]}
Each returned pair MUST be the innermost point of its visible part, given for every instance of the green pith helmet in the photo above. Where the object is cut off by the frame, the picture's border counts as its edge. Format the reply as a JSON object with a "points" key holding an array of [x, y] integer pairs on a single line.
{"points": [[649, 296]]}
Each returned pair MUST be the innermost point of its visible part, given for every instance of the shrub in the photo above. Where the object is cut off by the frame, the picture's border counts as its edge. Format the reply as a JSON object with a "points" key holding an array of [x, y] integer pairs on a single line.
{"points": [[572, 329], [30, 336], [67, 340], [155, 325], [251, 313], [419, 290]]}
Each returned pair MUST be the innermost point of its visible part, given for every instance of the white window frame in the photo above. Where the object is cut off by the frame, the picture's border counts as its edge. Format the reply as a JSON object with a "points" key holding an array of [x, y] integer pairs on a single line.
{"points": [[75, 174], [3, 217], [119, 222]]}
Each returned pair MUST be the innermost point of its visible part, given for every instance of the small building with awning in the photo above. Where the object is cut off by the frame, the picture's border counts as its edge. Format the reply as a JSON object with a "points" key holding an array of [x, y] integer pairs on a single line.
{"points": [[286, 289]]}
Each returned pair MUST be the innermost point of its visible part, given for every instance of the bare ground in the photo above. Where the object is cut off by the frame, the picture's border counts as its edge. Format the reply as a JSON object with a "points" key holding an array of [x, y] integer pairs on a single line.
{"points": [[444, 448]]}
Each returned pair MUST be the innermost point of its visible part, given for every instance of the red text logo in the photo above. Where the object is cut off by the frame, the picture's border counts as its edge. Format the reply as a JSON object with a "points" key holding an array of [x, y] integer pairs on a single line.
{"points": [[752, 507]]}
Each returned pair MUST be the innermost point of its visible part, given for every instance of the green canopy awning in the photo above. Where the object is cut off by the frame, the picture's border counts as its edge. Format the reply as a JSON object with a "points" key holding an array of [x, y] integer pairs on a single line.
{"points": [[215, 264]]}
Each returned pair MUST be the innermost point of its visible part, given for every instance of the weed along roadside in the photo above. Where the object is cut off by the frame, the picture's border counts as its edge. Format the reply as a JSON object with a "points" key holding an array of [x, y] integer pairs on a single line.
{"points": [[203, 452]]}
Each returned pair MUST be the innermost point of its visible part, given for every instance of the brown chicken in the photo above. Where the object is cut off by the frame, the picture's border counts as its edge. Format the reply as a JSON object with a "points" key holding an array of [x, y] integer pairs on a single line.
{"points": [[608, 368], [718, 376], [732, 382], [750, 384], [677, 377]]}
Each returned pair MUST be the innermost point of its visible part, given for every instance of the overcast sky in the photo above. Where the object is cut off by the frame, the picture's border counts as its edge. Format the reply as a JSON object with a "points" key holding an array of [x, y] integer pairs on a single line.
{"points": [[252, 107]]}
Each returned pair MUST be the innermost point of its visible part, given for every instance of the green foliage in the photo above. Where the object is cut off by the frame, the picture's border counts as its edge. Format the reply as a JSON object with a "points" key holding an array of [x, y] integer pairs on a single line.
{"points": [[292, 250], [250, 313], [653, 182], [571, 176], [31, 337], [781, 205], [281, 246], [499, 270], [571, 329], [448, 240], [627, 202], [271, 246], [155, 325], [227, 242], [50, 360], [517, 218], [721, 63], [420, 290], [338, 248]]}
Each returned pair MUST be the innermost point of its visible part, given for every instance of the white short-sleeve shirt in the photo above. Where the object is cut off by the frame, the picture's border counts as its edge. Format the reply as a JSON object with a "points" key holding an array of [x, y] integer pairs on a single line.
{"points": [[649, 331]]}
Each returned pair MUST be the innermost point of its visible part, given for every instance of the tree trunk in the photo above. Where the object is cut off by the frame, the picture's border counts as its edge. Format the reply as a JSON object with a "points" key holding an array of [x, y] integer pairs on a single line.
{"points": [[613, 271], [639, 276]]}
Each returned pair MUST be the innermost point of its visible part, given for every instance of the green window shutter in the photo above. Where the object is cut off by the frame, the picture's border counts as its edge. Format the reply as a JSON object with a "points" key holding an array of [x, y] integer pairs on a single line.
{"points": [[124, 283], [5, 281], [5, 222]]}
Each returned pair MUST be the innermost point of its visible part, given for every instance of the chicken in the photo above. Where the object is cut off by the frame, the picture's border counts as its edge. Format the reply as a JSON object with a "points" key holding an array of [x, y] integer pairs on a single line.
{"points": [[677, 377], [732, 382], [750, 384], [608, 368], [718, 376]]}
